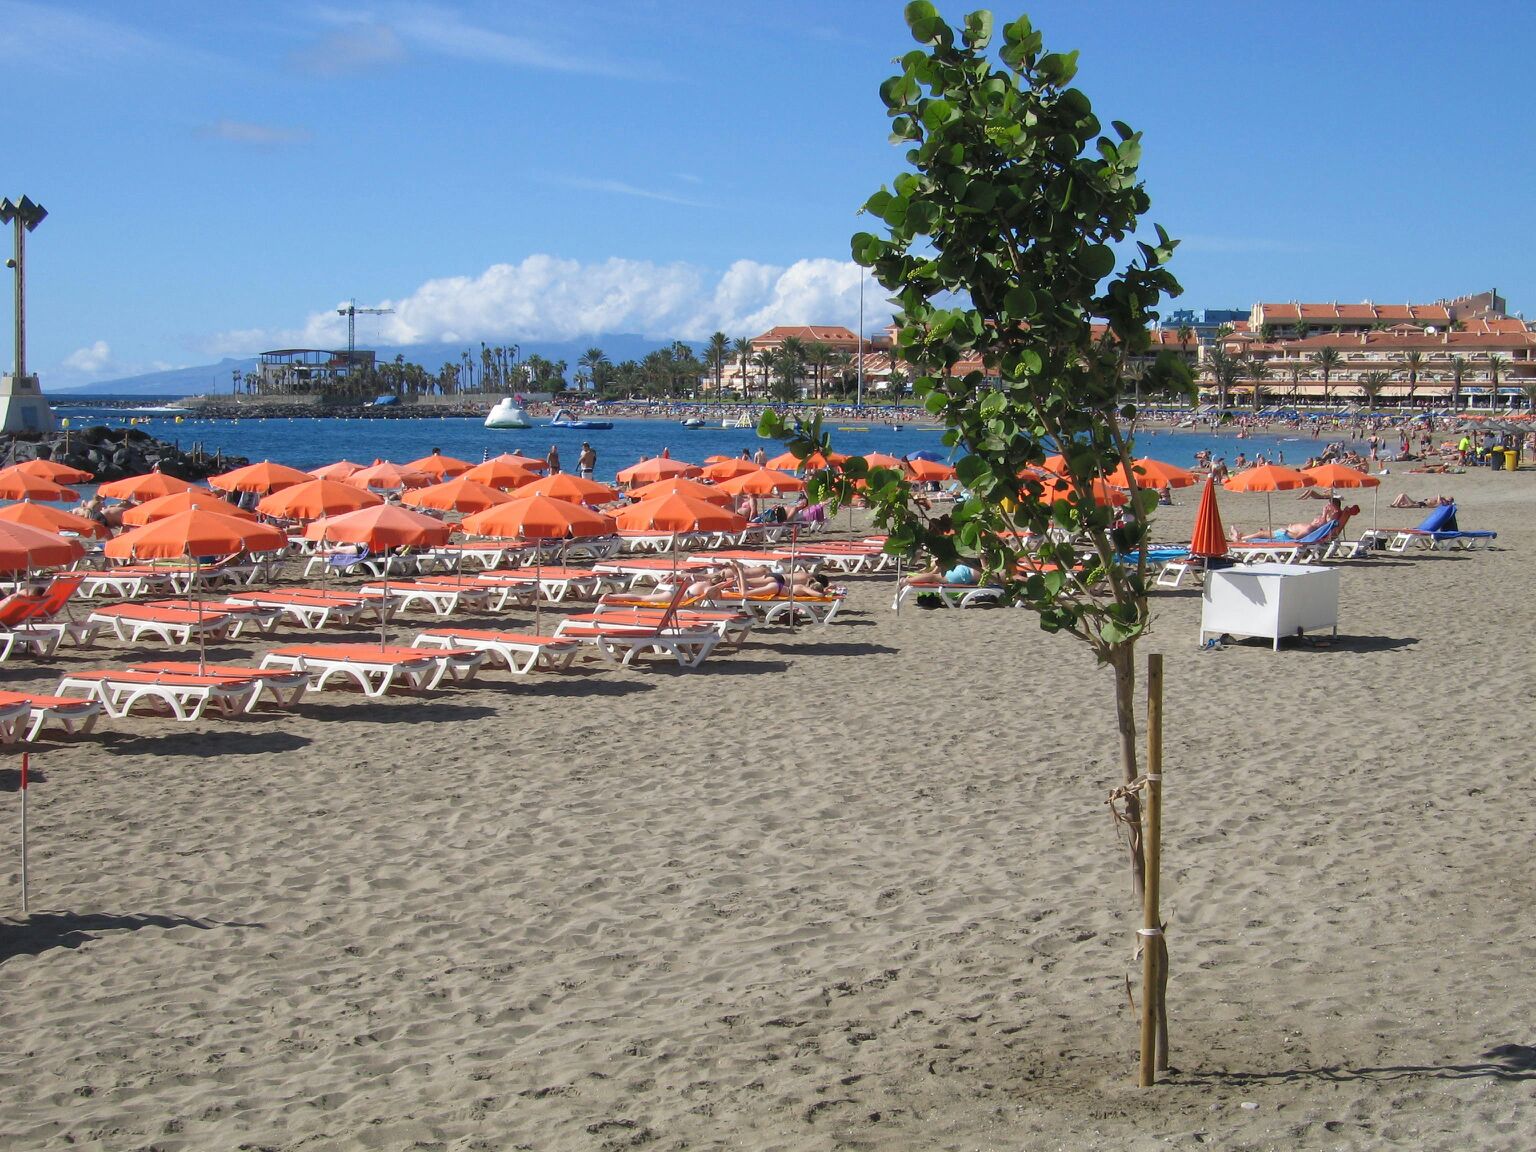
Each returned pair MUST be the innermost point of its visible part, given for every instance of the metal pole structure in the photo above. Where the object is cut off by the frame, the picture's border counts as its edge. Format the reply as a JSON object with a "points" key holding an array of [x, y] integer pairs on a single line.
{"points": [[859, 403], [24, 766], [26, 216]]}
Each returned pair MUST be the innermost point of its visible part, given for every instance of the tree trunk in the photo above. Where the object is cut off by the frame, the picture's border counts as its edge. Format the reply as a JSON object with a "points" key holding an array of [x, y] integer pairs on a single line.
{"points": [[1123, 660]]}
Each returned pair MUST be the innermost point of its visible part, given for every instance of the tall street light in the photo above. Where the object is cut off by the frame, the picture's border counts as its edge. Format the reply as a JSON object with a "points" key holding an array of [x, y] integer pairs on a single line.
{"points": [[22, 407], [26, 216]]}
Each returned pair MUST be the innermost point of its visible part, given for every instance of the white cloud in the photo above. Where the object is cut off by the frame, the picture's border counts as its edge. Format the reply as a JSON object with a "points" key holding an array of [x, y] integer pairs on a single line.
{"points": [[548, 298], [620, 188], [91, 360], [359, 45]]}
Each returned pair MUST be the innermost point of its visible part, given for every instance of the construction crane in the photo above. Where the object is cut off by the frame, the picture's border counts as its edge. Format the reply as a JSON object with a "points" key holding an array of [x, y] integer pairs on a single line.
{"points": [[352, 312]]}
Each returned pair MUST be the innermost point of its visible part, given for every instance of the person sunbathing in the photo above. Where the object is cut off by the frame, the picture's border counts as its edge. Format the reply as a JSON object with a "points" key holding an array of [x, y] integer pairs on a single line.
{"points": [[1403, 500], [1297, 531], [935, 573]]}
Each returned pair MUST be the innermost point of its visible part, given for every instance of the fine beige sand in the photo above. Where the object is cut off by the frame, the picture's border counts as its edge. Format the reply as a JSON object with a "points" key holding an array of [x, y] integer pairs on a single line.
{"points": [[851, 888]]}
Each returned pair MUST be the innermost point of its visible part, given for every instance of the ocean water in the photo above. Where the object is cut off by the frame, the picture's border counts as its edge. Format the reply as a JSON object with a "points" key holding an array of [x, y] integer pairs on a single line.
{"points": [[309, 443]]}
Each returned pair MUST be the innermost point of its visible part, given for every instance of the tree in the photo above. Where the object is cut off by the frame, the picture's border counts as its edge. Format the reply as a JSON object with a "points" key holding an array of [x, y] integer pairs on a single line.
{"points": [[715, 354], [786, 369], [1257, 370], [818, 354], [741, 349], [764, 361], [1371, 383], [1300, 329], [594, 361], [1414, 362], [1461, 367], [791, 361], [1224, 370], [998, 249], [1327, 359], [1496, 365]]}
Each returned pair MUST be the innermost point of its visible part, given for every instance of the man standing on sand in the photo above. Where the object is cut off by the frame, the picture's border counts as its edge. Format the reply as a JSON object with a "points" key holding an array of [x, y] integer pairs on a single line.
{"points": [[586, 463]]}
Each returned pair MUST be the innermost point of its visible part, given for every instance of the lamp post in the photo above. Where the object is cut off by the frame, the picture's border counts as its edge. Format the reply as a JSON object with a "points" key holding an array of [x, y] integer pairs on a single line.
{"points": [[859, 401], [22, 407], [26, 216]]}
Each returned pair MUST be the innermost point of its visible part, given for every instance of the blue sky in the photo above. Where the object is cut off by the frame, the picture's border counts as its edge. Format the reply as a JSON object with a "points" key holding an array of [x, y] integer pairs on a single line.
{"points": [[220, 176]]}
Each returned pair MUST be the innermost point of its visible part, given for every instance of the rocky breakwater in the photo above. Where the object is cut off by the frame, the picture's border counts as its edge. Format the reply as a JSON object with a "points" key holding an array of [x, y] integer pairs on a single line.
{"points": [[113, 453]]}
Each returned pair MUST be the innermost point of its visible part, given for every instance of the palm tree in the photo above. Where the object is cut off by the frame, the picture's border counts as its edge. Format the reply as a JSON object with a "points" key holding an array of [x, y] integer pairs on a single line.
{"points": [[1414, 362], [1496, 364], [741, 349], [1258, 372], [793, 350], [1327, 359], [1224, 369], [786, 364], [1371, 383], [764, 360], [1300, 329], [715, 353], [1460, 368], [595, 361], [818, 354]]}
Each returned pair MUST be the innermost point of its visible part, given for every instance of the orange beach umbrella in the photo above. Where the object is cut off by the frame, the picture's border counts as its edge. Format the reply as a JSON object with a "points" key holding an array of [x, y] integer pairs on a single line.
{"points": [[23, 548], [53, 470], [518, 460], [145, 487], [564, 486], [714, 493], [315, 499], [195, 532], [18, 485], [263, 477], [337, 471], [921, 469], [502, 472], [383, 474], [1151, 473], [1266, 478], [1332, 475], [728, 468], [539, 518], [460, 494], [439, 466], [678, 512], [46, 518], [381, 527], [162, 507], [763, 482], [654, 469]]}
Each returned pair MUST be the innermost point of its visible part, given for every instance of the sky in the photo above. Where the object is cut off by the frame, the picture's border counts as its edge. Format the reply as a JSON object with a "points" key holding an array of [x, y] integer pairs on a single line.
{"points": [[221, 177]]}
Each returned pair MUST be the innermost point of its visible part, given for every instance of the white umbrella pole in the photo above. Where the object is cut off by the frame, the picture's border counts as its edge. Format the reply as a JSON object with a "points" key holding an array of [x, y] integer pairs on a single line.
{"points": [[24, 766], [794, 537]]}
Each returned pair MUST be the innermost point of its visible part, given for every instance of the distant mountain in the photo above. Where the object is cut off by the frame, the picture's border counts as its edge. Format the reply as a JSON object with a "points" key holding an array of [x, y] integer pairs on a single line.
{"points": [[207, 379]]}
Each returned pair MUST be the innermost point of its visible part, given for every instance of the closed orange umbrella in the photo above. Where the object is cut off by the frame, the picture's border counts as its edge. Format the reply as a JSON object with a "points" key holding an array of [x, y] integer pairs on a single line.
{"points": [[564, 486], [728, 468], [389, 476], [1210, 539], [337, 471], [654, 469], [263, 477], [316, 499], [502, 472], [439, 466], [195, 532], [18, 485], [53, 470], [1151, 473], [714, 493], [23, 548], [763, 482], [460, 494], [162, 507], [381, 527], [46, 518], [145, 487]]}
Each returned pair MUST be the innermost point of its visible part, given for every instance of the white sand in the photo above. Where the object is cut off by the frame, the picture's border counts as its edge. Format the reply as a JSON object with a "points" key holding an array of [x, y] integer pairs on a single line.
{"points": [[853, 888]]}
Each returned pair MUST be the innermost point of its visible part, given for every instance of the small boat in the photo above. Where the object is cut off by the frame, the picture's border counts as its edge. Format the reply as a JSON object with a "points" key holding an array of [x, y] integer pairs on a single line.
{"points": [[693, 422], [507, 414], [563, 419]]}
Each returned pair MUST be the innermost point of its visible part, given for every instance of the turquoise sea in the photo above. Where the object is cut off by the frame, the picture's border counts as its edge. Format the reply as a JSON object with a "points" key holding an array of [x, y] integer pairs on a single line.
{"points": [[308, 443]]}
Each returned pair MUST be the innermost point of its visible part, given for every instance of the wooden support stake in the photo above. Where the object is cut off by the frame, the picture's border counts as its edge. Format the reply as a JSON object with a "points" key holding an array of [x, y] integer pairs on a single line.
{"points": [[1152, 950]]}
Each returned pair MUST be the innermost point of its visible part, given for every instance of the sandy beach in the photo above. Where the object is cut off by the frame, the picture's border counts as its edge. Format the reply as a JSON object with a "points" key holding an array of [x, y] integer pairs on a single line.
{"points": [[845, 888]]}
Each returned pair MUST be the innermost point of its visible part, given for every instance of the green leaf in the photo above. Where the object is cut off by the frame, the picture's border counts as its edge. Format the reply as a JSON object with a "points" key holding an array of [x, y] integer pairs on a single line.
{"points": [[1097, 261]]}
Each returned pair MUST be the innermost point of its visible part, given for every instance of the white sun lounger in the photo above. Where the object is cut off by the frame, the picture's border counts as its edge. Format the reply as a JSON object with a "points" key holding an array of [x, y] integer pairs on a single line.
{"points": [[376, 670], [442, 599], [620, 644], [34, 710], [521, 653], [186, 697]]}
